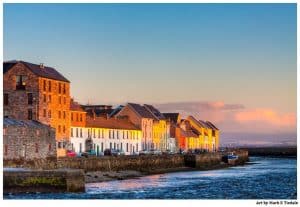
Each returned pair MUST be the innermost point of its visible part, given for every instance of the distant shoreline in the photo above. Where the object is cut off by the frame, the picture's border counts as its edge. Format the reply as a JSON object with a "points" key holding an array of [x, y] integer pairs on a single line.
{"points": [[272, 151]]}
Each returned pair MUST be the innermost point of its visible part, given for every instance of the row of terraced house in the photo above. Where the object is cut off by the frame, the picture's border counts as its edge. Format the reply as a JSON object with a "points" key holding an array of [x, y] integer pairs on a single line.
{"points": [[42, 94]]}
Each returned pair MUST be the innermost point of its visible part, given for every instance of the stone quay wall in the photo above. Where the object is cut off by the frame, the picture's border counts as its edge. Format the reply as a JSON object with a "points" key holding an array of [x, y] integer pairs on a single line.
{"points": [[22, 181], [145, 163], [139, 163]]}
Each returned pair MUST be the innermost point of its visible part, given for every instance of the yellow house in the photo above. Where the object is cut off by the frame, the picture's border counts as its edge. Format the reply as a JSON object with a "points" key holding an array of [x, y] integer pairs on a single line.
{"points": [[159, 129], [208, 134]]}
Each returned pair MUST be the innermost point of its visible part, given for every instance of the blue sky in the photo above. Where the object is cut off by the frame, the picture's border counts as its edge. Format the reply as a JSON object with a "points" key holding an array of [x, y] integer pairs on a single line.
{"points": [[162, 53]]}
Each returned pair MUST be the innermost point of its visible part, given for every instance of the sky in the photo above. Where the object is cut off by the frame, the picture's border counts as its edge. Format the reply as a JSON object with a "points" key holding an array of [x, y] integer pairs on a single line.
{"points": [[232, 64]]}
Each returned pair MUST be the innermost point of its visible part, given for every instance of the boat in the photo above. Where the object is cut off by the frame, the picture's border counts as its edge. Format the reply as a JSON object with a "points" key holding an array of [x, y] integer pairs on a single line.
{"points": [[230, 158]]}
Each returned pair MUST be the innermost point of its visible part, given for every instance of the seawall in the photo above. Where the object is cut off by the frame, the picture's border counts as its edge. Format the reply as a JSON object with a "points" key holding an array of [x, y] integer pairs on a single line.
{"points": [[63, 180]]}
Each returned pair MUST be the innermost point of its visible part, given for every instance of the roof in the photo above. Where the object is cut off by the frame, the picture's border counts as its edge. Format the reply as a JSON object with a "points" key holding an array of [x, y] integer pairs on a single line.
{"points": [[46, 72], [188, 133], [195, 121], [172, 116], [205, 125], [116, 111], [110, 123], [24, 123], [154, 111], [75, 106], [141, 110], [211, 125]]}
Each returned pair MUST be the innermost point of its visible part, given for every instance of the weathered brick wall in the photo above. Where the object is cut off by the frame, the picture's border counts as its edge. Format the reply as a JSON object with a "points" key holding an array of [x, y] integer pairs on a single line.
{"points": [[17, 99], [28, 143]]}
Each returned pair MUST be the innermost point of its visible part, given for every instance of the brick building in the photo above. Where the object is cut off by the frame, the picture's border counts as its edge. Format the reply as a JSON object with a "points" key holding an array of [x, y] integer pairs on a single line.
{"points": [[27, 139], [37, 92]]}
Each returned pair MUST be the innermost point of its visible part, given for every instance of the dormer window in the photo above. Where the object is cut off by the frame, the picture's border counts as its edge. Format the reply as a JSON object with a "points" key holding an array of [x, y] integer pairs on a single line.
{"points": [[21, 82]]}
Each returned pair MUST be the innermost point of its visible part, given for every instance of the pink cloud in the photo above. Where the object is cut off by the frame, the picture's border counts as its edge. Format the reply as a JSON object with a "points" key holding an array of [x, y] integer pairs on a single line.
{"points": [[267, 116]]}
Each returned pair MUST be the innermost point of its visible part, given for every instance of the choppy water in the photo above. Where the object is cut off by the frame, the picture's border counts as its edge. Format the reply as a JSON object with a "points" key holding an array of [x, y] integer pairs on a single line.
{"points": [[267, 178]]}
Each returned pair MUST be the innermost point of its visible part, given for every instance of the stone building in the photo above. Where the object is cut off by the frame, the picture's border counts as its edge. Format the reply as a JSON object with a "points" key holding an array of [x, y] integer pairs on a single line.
{"points": [[37, 92], [27, 139]]}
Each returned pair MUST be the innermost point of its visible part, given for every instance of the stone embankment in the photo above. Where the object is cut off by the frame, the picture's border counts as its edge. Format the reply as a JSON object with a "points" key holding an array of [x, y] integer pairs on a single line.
{"points": [[27, 180]]}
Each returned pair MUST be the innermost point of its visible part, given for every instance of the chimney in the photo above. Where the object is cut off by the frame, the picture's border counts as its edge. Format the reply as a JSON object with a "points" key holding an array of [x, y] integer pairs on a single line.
{"points": [[42, 65]]}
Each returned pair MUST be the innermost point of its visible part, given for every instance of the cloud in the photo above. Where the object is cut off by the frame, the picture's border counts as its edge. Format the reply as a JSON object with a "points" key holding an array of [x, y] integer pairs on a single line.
{"points": [[238, 120], [268, 116]]}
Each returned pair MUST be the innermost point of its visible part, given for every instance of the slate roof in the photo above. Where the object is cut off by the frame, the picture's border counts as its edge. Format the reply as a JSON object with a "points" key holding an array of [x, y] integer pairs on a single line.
{"points": [[116, 111], [24, 123], [110, 123], [211, 125], [142, 111], [46, 72], [154, 111], [172, 116], [205, 125], [188, 133]]}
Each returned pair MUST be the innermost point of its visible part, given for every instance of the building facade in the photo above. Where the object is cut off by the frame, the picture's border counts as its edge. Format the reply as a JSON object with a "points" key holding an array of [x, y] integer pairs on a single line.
{"points": [[106, 133], [37, 92], [28, 140], [142, 119]]}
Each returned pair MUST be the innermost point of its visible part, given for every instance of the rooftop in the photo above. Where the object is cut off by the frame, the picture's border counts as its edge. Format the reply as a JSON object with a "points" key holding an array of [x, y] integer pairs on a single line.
{"points": [[46, 72], [110, 123]]}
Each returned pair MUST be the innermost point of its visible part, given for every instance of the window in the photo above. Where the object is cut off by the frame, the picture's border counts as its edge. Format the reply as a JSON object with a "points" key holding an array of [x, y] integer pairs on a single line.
{"points": [[80, 147], [127, 134], [101, 146], [121, 146], [59, 88], [59, 114], [98, 133], [64, 115], [64, 129], [126, 147], [36, 148], [81, 117], [49, 98], [77, 117], [76, 132], [49, 147], [123, 134], [110, 145], [29, 114], [49, 86], [109, 133], [137, 147], [44, 113], [71, 132], [117, 134], [59, 128], [114, 145], [59, 99], [102, 133], [21, 82], [65, 100], [94, 133], [44, 84], [71, 116], [5, 99], [113, 133], [80, 132], [30, 98], [64, 89], [5, 149], [45, 98]]}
